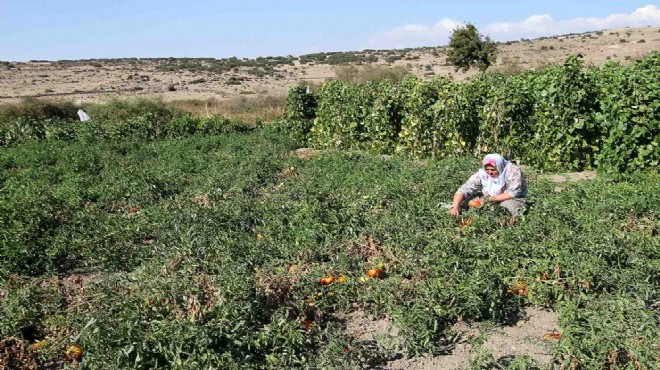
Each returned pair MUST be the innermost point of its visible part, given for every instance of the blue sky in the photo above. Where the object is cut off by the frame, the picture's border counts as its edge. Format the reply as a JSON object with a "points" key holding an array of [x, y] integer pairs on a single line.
{"points": [[68, 29]]}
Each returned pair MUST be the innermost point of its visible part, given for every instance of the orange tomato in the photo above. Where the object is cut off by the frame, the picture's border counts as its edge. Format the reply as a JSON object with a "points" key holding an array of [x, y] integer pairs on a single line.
{"points": [[466, 222], [519, 288], [475, 203], [327, 280], [341, 279], [374, 273], [39, 344], [307, 324], [74, 353]]}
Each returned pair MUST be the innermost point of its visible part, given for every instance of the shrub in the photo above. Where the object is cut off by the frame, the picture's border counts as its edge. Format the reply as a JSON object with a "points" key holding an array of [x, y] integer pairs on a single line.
{"points": [[123, 109], [505, 116], [366, 119], [629, 113], [370, 72], [38, 109], [467, 48], [565, 133], [559, 117], [300, 112]]}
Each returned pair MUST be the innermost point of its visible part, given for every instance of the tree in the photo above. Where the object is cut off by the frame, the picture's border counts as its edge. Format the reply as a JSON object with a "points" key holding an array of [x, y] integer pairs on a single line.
{"points": [[467, 48]]}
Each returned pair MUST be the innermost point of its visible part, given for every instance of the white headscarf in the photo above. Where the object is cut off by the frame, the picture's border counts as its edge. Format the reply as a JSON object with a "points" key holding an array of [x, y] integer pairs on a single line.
{"points": [[491, 186]]}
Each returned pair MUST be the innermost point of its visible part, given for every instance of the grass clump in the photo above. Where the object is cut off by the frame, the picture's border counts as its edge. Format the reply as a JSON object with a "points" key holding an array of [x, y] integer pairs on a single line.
{"points": [[38, 109], [370, 72]]}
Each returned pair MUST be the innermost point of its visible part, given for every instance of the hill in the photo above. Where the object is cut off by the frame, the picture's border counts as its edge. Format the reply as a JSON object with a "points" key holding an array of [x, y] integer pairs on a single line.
{"points": [[204, 83]]}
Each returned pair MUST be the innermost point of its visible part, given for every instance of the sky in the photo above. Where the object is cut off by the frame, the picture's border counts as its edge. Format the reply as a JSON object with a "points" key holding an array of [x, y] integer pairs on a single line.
{"points": [[74, 29]]}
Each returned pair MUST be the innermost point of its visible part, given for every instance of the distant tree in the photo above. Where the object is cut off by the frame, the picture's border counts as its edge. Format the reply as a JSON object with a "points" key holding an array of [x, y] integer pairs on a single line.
{"points": [[467, 48]]}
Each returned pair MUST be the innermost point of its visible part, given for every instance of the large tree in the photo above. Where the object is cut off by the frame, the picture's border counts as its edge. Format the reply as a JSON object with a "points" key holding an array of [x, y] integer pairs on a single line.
{"points": [[467, 48]]}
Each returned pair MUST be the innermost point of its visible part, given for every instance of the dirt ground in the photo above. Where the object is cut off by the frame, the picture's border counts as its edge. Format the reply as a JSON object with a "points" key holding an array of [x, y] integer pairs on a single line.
{"points": [[561, 179], [93, 81], [527, 336]]}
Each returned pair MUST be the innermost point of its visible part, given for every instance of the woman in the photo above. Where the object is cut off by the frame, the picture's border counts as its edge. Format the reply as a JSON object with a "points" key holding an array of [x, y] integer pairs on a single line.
{"points": [[499, 181]]}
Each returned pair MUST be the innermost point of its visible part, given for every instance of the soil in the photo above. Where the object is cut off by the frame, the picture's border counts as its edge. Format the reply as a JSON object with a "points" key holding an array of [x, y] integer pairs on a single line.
{"points": [[524, 337], [304, 153], [561, 179], [571, 176]]}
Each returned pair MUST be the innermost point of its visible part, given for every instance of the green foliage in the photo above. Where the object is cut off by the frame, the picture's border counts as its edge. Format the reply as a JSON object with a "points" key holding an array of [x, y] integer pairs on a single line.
{"points": [[356, 116], [300, 112], [467, 48], [612, 331], [369, 73], [505, 124], [565, 132], [630, 113], [37, 109], [180, 252], [148, 126], [564, 117], [438, 118]]}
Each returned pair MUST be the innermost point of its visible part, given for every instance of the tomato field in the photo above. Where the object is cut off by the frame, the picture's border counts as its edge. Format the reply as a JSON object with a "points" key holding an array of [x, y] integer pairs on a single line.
{"points": [[203, 243]]}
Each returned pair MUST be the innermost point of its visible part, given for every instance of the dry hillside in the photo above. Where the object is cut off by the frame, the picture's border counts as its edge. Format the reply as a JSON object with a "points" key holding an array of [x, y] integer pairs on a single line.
{"points": [[224, 79]]}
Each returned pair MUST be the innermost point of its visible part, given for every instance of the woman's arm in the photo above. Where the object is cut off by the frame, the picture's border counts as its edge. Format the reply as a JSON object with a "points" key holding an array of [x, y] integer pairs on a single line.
{"points": [[471, 186], [515, 186], [456, 204], [500, 198]]}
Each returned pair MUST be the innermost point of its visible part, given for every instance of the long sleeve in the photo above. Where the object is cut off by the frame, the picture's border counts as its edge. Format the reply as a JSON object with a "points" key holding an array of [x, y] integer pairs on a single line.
{"points": [[471, 186]]}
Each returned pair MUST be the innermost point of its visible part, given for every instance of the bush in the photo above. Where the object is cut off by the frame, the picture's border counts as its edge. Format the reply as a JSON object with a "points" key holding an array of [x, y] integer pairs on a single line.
{"points": [[300, 112], [562, 117], [371, 73], [467, 48], [565, 132], [367, 117], [124, 109], [505, 116], [630, 115], [38, 109]]}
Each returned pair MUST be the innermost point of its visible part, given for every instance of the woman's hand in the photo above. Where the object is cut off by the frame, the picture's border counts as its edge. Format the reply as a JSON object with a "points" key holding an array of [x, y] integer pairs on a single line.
{"points": [[456, 204], [500, 198]]}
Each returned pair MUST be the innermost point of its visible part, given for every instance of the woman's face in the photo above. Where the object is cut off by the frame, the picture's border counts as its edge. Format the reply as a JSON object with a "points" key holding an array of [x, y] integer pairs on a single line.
{"points": [[491, 171]]}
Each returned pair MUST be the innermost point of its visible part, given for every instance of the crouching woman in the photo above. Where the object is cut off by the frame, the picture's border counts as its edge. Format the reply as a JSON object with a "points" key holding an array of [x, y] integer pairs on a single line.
{"points": [[498, 181]]}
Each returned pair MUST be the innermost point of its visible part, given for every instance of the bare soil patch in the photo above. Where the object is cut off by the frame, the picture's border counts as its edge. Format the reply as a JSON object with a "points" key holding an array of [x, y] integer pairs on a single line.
{"points": [[304, 153], [561, 179], [525, 337]]}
